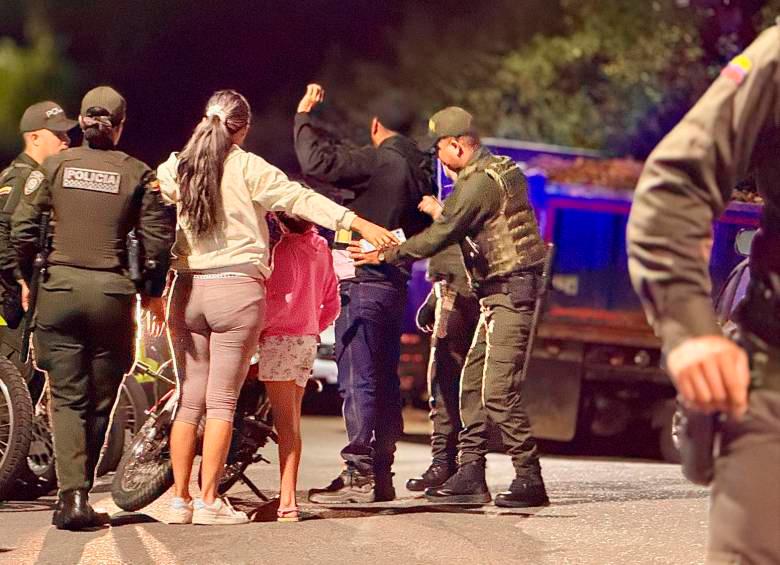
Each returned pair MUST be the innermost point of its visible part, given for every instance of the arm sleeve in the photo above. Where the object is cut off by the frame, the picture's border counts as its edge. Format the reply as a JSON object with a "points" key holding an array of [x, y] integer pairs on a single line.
{"points": [[25, 226], [324, 159], [14, 185], [166, 175], [271, 188], [686, 184], [156, 230], [473, 201], [331, 300]]}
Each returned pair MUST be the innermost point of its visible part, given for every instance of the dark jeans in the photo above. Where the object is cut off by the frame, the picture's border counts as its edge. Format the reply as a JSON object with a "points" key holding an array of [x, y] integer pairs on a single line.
{"points": [[491, 385], [456, 319], [368, 348]]}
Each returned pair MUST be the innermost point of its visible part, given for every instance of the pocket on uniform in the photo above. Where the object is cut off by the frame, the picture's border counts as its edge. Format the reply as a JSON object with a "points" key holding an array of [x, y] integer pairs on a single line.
{"points": [[119, 287], [56, 284]]}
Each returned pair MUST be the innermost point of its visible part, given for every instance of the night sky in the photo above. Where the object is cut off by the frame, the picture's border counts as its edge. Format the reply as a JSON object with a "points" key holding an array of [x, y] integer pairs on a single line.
{"points": [[167, 56]]}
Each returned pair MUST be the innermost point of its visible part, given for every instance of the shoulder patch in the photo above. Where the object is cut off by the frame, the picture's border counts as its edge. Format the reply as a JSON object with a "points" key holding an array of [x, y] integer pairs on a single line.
{"points": [[33, 182], [737, 69], [91, 179]]}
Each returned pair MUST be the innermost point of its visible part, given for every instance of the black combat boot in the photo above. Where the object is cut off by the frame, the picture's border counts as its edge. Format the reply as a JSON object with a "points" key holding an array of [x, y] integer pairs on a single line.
{"points": [[434, 476], [73, 512], [350, 486], [467, 486], [524, 492]]}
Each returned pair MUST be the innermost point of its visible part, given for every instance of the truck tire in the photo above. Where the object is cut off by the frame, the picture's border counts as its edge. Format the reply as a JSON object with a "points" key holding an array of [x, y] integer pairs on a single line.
{"points": [[16, 412], [666, 432]]}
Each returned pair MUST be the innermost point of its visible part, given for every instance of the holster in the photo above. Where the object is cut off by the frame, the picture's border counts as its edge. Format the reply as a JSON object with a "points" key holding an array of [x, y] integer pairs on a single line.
{"points": [[698, 439]]}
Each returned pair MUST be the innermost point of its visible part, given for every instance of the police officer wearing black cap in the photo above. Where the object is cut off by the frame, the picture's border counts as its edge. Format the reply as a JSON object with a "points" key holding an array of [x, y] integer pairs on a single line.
{"points": [[44, 128], [490, 216], [84, 320]]}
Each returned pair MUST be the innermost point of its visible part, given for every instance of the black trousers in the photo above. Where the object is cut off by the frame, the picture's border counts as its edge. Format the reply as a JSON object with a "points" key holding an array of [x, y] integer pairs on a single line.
{"points": [[84, 341]]}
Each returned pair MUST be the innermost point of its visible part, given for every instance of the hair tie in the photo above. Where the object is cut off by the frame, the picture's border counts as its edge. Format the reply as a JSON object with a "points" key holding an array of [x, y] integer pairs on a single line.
{"points": [[216, 110]]}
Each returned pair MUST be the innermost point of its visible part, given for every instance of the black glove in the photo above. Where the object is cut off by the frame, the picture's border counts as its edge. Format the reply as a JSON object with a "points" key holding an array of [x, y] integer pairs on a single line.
{"points": [[426, 314]]}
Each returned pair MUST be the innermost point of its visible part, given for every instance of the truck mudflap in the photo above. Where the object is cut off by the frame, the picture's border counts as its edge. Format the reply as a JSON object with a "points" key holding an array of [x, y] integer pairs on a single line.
{"points": [[551, 392]]}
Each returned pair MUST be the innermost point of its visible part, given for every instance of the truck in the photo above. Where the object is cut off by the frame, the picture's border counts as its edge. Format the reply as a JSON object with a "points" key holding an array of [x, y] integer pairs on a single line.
{"points": [[595, 365]]}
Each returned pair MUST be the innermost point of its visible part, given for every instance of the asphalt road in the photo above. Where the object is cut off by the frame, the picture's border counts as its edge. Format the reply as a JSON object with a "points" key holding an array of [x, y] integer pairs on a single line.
{"points": [[603, 511]]}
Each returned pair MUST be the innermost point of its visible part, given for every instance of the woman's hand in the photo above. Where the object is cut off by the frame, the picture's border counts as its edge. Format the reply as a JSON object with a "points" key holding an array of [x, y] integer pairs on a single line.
{"points": [[362, 257], [431, 206], [376, 235], [154, 315]]}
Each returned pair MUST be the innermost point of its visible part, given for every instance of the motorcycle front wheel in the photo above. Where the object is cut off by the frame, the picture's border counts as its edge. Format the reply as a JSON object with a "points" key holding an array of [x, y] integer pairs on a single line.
{"points": [[16, 415]]}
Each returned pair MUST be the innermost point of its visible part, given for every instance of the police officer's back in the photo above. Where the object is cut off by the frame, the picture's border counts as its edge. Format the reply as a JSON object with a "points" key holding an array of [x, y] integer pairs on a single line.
{"points": [[84, 323]]}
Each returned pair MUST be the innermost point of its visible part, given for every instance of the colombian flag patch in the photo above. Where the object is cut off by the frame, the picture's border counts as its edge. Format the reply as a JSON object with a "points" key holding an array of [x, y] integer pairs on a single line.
{"points": [[737, 69]]}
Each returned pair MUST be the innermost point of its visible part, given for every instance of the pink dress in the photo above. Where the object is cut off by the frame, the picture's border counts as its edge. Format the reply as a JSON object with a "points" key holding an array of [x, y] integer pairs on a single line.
{"points": [[302, 299]]}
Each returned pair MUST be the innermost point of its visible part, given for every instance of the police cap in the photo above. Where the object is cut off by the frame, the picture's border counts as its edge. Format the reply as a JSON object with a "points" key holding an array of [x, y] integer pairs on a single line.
{"points": [[449, 122], [45, 115], [106, 98]]}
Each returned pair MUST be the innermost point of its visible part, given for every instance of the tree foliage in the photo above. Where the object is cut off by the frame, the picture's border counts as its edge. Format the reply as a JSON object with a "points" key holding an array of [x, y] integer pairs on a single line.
{"points": [[30, 73]]}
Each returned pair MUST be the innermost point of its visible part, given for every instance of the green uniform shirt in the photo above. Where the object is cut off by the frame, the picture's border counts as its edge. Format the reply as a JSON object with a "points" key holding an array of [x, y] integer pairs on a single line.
{"points": [[12, 181], [475, 199], [734, 129]]}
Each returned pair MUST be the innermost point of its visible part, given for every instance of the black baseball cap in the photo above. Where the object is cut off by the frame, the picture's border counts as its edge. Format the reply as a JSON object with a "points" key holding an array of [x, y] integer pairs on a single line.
{"points": [[452, 121], [106, 98], [45, 115]]}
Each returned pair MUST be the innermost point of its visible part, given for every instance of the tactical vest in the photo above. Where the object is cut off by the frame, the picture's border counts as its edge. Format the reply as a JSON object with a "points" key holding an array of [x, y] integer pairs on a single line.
{"points": [[510, 241], [96, 200]]}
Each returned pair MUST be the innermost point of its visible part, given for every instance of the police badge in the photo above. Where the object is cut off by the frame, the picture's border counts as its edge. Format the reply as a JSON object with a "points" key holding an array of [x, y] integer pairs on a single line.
{"points": [[33, 182]]}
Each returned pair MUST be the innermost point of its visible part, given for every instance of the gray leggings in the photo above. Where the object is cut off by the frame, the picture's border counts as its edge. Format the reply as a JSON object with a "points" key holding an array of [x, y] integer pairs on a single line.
{"points": [[214, 325]]}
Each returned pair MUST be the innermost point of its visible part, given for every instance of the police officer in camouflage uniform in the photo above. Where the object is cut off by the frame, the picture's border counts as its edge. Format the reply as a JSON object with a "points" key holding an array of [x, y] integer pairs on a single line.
{"points": [[450, 314], [490, 216], [44, 128], [84, 320], [733, 130]]}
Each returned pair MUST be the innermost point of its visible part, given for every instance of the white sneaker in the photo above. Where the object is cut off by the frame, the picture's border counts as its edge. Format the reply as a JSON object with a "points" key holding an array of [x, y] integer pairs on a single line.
{"points": [[179, 511], [220, 512]]}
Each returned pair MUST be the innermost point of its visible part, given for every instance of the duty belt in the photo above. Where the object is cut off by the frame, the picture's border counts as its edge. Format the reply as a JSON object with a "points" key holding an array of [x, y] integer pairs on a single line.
{"points": [[530, 281]]}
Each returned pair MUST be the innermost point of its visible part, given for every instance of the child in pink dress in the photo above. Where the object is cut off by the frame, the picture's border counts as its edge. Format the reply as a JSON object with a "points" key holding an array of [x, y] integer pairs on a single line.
{"points": [[302, 299]]}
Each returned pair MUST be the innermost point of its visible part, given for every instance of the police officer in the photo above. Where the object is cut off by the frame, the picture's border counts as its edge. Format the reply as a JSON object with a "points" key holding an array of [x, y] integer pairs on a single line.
{"points": [[732, 131], [84, 322], [44, 128], [450, 314], [490, 215]]}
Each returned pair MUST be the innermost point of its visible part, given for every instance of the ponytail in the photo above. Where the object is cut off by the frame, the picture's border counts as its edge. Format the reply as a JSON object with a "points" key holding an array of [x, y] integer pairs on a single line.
{"points": [[202, 161], [98, 128]]}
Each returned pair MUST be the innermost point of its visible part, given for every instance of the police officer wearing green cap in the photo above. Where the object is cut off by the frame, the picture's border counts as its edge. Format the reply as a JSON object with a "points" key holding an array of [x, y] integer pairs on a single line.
{"points": [[84, 322], [44, 128], [490, 216]]}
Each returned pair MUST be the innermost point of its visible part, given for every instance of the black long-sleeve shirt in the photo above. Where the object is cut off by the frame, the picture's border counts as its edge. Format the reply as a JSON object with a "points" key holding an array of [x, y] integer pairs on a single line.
{"points": [[388, 181]]}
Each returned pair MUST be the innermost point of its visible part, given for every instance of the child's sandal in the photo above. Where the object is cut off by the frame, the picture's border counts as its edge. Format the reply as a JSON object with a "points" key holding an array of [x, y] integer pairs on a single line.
{"points": [[288, 515]]}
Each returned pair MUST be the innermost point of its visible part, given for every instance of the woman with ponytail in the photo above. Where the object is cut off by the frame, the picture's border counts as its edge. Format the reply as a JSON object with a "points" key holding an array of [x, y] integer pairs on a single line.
{"points": [[217, 302]]}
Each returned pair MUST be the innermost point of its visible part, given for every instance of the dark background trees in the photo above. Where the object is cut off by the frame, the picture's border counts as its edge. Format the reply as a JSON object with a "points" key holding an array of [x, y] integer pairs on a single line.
{"points": [[613, 75]]}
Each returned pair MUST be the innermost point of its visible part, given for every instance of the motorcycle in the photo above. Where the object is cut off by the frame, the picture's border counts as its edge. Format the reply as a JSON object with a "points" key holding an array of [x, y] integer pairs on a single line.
{"points": [[145, 472], [27, 465]]}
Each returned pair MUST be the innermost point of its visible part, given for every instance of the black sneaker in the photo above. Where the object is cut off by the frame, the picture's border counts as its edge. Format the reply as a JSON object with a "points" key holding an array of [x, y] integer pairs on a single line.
{"points": [[434, 476], [350, 486], [467, 486], [524, 492]]}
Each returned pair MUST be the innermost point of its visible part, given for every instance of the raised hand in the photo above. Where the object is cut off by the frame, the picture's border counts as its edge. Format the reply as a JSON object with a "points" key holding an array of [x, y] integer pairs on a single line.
{"points": [[315, 94]]}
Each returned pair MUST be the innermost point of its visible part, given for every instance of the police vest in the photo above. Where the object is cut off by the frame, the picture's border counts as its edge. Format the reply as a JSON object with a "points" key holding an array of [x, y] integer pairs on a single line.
{"points": [[510, 241], [96, 197]]}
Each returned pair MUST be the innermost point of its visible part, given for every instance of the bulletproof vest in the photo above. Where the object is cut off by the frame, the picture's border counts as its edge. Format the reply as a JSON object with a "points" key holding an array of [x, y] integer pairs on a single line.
{"points": [[509, 241], [96, 201]]}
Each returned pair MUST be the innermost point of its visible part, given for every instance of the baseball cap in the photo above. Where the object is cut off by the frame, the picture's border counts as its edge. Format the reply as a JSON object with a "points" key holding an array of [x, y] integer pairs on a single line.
{"points": [[107, 98], [452, 121], [45, 115]]}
